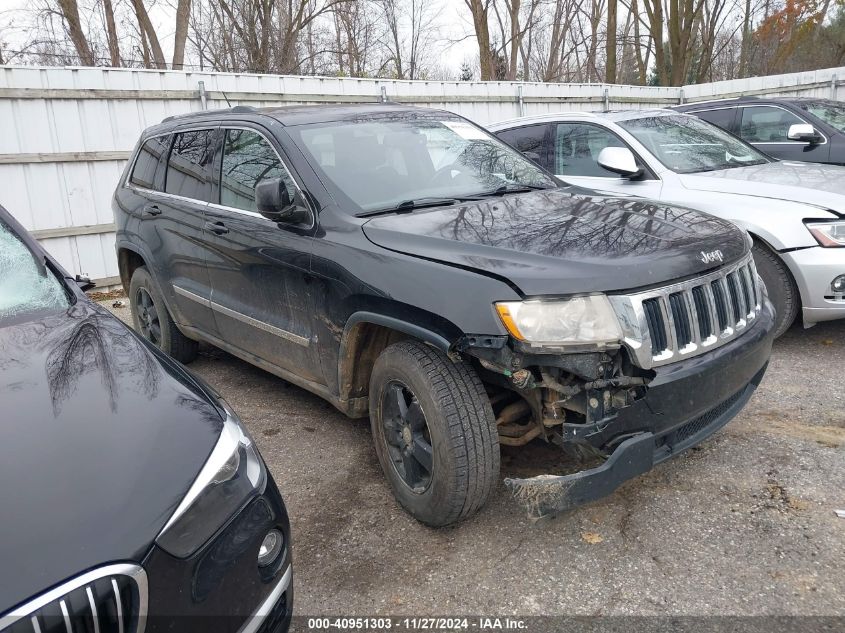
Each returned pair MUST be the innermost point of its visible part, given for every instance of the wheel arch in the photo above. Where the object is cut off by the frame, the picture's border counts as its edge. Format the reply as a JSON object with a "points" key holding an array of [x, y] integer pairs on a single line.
{"points": [[366, 334], [129, 259], [787, 262]]}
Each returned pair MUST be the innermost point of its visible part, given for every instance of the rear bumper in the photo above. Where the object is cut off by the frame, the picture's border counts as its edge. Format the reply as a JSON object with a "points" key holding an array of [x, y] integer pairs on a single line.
{"points": [[686, 403], [814, 269]]}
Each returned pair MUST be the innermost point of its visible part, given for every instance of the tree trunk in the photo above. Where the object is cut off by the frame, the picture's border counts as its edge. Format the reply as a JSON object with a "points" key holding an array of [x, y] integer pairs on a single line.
{"points": [[111, 32], [146, 26], [479, 9], [183, 11], [746, 40], [610, 68], [654, 10], [516, 38], [70, 12]]}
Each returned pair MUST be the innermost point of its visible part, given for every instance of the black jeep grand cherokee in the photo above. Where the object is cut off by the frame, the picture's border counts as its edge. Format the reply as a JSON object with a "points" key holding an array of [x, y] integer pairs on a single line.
{"points": [[404, 264]]}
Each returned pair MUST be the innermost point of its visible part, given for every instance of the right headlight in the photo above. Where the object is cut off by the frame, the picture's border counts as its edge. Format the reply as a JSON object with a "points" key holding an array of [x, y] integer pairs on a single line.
{"points": [[828, 234], [588, 320], [233, 473]]}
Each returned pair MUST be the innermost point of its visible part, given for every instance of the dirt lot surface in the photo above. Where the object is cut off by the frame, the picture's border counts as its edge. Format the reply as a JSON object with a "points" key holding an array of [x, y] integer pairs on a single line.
{"points": [[743, 524]]}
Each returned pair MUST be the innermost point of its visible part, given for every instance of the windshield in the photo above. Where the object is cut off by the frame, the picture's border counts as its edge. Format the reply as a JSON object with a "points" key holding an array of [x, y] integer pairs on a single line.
{"points": [[686, 144], [25, 285], [381, 163], [831, 112]]}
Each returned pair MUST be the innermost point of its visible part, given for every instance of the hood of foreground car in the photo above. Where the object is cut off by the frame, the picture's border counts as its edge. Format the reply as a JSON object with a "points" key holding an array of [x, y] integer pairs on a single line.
{"points": [[565, 241], [808, 183], [100, 439]]}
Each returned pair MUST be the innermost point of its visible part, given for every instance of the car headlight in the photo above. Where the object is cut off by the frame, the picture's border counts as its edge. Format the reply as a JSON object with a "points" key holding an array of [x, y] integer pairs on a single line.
{"points": [[233, 473], [828, 234], [586, 320]]}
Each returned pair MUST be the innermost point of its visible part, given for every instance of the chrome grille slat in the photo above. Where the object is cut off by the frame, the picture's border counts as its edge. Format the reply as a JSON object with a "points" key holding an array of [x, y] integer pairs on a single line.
{"points": [[688, 318], [93, 604], [695, 325]]}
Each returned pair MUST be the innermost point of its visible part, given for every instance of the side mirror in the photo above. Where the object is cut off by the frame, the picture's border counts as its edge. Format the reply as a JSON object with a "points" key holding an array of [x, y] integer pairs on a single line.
{"points": [[85, 284], [620, 160], [275, 202], [803, 132]]}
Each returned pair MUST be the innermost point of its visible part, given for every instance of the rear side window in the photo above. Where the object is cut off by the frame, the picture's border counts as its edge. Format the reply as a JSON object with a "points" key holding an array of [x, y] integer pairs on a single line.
{"points": [[723, 117], [531, 139], [247, 160], [149, 158], [765, 124], [189, 165]]}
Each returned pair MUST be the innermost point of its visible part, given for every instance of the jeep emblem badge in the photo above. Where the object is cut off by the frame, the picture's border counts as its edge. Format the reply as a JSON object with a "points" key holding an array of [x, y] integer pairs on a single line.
{"points": [[712, 256]]}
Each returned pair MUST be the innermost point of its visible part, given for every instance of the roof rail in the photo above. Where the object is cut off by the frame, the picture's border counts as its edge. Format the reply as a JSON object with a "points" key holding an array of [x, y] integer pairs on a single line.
{"points": [[173, 117]]}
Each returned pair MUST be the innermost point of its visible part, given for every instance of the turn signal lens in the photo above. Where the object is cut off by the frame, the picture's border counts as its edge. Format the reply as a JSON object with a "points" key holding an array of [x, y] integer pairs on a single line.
{"points": [[828, 234]]}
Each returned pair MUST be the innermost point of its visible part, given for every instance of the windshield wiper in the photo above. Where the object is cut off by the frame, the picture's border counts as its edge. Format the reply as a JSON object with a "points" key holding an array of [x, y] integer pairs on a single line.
{"points": [[408, 206], [511, 188], [750, 163]]}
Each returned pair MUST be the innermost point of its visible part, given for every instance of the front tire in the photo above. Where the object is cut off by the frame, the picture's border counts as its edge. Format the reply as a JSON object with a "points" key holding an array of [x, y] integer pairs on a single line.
{"points": [[151, 319], [434, 432], [783, 293]]}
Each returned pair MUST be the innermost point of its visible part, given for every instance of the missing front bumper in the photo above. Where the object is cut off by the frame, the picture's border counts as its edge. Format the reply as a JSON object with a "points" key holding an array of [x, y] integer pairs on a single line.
{"points": [[548, 495]]}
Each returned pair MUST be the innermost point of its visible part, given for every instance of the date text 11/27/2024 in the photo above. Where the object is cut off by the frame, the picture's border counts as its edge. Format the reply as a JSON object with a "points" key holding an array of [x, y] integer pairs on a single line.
{"points": [[417, 624]]}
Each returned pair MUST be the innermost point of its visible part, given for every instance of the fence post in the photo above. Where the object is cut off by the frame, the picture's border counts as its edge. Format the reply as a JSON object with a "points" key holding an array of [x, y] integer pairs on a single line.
{"points": [[833, 82], [606, 99], [520, 100], [384, 94], [203, 96], [681, 97]]}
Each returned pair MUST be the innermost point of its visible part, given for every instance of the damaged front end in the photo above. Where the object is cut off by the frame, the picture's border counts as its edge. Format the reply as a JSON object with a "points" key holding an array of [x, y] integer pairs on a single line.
{"points": [[571, 400]]}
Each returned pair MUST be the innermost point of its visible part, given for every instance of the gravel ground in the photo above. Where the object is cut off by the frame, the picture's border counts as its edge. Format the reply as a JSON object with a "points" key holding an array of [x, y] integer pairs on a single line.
{"points": [[742, 525]]}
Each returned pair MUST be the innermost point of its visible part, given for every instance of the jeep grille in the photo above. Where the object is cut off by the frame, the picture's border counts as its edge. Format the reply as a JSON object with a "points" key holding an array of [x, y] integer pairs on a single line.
{"points": [[668, 324]]}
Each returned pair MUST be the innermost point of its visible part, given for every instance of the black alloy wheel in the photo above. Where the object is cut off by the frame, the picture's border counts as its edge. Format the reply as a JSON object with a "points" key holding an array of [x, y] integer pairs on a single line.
{"points": [[407, 437], [148, 319], [152, 320]]}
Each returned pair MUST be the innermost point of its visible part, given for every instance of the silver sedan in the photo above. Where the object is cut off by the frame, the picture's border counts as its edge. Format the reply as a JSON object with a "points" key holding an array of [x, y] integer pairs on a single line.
{"points": [[794, 211]]}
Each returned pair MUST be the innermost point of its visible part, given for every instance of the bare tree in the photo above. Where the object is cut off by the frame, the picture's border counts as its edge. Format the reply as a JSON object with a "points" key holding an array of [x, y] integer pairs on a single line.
{"points": [[480, 10], [183, 12], [610, 45], [149, 38], [111, 34], [70, 12]]}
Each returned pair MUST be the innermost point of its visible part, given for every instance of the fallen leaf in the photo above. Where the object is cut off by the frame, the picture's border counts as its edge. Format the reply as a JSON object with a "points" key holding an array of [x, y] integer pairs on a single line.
{"points": [[798, 504], [591, 537]]}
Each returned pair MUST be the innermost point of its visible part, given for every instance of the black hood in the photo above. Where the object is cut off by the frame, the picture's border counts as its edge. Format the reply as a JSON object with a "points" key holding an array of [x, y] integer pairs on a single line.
{"points": [[565, 241], [101, 439]]}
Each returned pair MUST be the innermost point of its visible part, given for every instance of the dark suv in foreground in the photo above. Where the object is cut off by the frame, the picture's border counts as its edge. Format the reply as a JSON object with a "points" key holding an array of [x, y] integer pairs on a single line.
{"points": [[132, 498], [789, 128], [404, 264]]}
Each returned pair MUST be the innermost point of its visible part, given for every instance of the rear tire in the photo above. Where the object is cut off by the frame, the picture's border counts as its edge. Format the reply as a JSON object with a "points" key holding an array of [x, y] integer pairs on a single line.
{"points": [[783, 293], [447, 409], [152, 320]]}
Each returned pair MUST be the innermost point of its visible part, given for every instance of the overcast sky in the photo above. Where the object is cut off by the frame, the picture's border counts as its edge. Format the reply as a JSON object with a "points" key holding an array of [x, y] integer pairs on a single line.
{"points": [[452, 20]]}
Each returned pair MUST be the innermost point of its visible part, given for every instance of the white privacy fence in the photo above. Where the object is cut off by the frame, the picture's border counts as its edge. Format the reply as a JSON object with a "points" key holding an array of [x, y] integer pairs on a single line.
{"points": [[66, 133]]}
